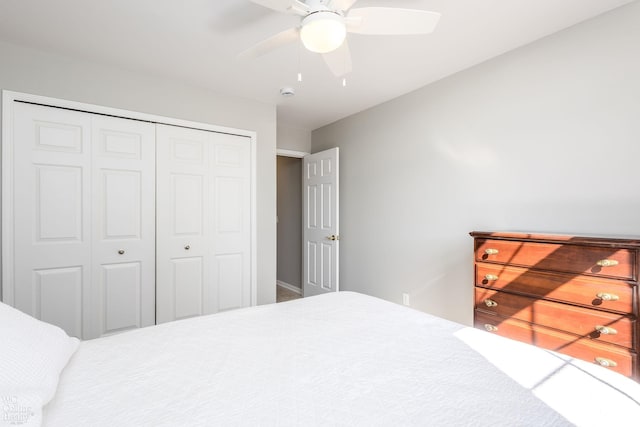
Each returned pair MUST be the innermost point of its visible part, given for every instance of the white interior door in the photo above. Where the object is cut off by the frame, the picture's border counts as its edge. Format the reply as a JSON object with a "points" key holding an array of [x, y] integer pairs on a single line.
{"points": [[52, 216], [123, 243], [203, 222], [320, 211]]}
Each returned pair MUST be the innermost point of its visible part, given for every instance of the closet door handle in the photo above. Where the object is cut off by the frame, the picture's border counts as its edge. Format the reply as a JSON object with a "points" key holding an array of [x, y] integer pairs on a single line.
{"points": [[187, 247], [121, 252]]}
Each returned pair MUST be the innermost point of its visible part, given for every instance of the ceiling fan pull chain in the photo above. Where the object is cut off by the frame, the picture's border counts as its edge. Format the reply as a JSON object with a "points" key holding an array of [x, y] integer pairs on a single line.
{"points": [[300, 61]]}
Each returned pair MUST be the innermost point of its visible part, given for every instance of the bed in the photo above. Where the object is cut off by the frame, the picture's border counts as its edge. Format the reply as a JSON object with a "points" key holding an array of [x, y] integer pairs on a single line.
{"points": [[341, 359]]}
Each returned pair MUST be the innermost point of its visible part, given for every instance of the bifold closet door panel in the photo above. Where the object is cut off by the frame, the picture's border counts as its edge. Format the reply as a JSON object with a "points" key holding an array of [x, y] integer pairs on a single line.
{"points": [[116, 224], [123, 243], [231, 234], [183, 230], [203, 222], [52, 215], [83, 192]]}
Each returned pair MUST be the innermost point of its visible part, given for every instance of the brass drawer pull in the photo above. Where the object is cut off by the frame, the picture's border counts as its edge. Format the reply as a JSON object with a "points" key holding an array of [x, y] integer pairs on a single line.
{"points": [[606, 330], [607, 263], [491, 277], [607, 363], [490, 328], [490, 251], [604, 296], [490, 303]]}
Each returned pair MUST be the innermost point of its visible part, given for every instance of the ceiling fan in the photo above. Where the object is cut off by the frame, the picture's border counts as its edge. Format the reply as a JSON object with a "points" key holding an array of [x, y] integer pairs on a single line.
{"points": [[324, 25]]}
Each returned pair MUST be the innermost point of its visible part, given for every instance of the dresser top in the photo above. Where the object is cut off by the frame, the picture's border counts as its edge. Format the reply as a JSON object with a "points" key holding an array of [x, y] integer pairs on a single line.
{"points": [[598, 240]]}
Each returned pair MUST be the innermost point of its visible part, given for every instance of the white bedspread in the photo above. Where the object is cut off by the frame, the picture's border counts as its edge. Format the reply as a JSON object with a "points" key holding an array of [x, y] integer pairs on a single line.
{"points": [[341, 359]]}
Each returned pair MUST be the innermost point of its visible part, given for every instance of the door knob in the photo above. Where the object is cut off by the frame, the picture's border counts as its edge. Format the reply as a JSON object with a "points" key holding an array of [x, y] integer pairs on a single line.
{"points": [[333, 237], [187, 247], [121, 252]]}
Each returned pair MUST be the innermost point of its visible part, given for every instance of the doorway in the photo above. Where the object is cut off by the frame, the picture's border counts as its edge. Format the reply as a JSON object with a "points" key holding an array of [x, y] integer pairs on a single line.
{"points": [[289, 226]]}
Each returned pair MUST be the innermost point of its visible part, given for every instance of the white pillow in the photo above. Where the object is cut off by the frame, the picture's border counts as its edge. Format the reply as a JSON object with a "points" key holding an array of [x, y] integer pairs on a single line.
{"points": [[32, 356]]}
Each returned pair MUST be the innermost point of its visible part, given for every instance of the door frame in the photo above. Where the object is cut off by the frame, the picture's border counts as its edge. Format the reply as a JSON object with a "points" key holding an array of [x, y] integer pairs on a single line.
{"points": [[281, 152], [6, 139], [291, 153]]}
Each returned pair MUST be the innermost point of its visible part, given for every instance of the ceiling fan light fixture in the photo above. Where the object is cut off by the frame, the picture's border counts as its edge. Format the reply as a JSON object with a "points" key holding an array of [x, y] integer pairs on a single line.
{"points": [[323, 32]]}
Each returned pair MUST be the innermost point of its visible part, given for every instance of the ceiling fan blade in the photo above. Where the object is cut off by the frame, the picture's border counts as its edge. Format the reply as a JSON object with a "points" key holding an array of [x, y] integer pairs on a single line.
{"points": [[342, 4], [273, 42], [278, 5], [339, 60], [287, 6], [390, 20]]}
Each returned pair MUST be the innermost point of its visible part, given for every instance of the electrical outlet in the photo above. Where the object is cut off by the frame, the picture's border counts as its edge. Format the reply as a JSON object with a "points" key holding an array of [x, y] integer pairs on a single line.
{"points": [[405, 300]]}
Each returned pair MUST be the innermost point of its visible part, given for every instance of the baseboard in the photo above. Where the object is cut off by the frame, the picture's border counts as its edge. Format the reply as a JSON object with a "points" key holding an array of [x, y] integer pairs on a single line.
{"points": [[292, 288]]}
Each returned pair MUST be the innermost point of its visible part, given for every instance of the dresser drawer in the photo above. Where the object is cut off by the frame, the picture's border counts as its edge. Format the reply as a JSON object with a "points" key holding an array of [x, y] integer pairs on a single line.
{"points": [[580, 290], [614, 328], [568, 344], [616, 263]]}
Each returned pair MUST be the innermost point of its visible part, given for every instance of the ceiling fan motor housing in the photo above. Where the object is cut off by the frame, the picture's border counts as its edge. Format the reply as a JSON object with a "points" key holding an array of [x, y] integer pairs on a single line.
{"points": [[323, 31]]}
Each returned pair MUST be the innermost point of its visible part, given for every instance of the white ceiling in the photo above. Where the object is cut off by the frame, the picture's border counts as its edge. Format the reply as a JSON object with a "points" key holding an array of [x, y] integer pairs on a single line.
{"points": [[197, 41]]}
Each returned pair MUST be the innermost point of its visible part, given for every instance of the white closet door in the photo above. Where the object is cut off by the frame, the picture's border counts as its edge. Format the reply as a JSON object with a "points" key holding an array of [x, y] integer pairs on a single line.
{"points": [[203, 222], [123, 199], [231, 210], [52, 234], [182, 230]]}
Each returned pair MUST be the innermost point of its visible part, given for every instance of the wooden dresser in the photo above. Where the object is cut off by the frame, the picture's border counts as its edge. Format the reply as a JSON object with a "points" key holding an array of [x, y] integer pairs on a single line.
{"points": [[575, 295]]}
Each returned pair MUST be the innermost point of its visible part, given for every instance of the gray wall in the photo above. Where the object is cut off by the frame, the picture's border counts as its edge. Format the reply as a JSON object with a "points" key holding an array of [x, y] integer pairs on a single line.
{"points": [[293, 138], [289, 220], [31, 71], [544, 138]]}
